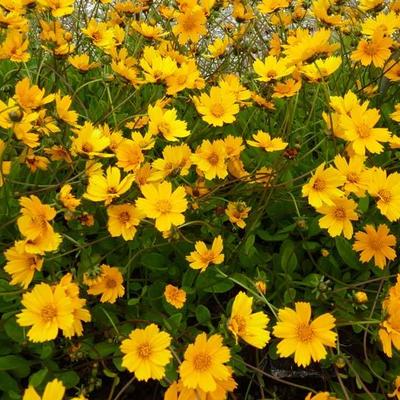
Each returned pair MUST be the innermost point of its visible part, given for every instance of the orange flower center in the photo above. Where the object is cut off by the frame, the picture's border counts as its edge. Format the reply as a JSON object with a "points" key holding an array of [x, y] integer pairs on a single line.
{"points": [[352, 177], [385, 195], [207, 256], [110, 283], [202, 362], [239, 324], [48, 313], [188, 24], [144, 350], [87, 147], [124, 217], [339, 213], [375, 243], [319, 184], [213, 158], [305, 332], [217, 109], [271, 74], [112, 190], [164, 127], [364, 131], [370, 49], [164, 206]]}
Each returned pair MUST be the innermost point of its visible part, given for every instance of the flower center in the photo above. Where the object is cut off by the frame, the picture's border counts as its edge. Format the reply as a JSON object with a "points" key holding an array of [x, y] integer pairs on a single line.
{"points": [[202, 362], [188, 24], [87, 147], [164, 206], [110, 283], [144, 350], [112, 190], [164, 127], [385, 195], [239, 324], [213, 159], [364, 131], [124, 217], [305, 333], [217, 109], [352, 177], [339, 213], [319, 184], [208, 256], [370, 49], [271, 74], [48, 313]]}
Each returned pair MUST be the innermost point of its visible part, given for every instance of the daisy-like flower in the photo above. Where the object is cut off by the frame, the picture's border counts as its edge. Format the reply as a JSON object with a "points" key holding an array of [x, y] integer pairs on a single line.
{"points": [[376, 244], [176, 160], [66, 197], [251, 327], [264, 141], [146, 353], [191, 24], [31, 97], [82, 62], [338, 216], [129, 155], [304, 338], [54, 390], [109, 187], [217, 108], [396, 392], [272, 69], [59, 8], [395, 115], [21, 265], [202, 257], [320, 396], [163, 204], [109, 283], [210, 159], [63, 103], [204, 363], [46, 311], [321, 68], [89, 141], [123, 220], [322, 188], [237, 212], [175, 296]]}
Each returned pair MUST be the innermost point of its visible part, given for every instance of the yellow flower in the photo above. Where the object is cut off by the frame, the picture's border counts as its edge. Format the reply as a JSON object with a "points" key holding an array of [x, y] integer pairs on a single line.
{"points": [[287, 88], [268, 6], [67, 198], [175, 296], [392, 70], [123, 220], [218, 47], [89, 141], [46, 310], [146, 353], [202, 257], [217, 108], [237, 212], [109, 283], [320, 396], [307, 340], [176, 160], [166, 122], [321, 68], [338, 216], [15, 47], [264, 141], [210, 159], [375, 244], [21, 265], [82, 62], [186, 77], [155, 67], [361, 297], [375, 51], [59, 8], [386, 189], [100, 34], [64, 113], [31, 97], [163, 204], [191, 24], [148, 31], [389, 334], [109, 187], [231, 83], [382, 23], [129, 155], [322, 188], [272, 69], [251, 327], [396, 114], [355, 173], [396, 392], [233, 146], [54, 390]]}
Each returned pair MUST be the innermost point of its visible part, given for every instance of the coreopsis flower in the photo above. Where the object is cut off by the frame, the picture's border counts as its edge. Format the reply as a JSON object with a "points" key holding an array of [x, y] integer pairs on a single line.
{"points": [[272, 69], [321, 68], [386, 190], [165, 122], [190, 25], [261, 286], [210, 159], [396, 392], [322, 188], [218, 47], [59, 153], [355, 172], [82, 62], [177, 391], [68, 200], [21, 265], [163, 204], [59, 8], [304, 338], [109, 187], [264, 141], [376, 244], [54, 390], [79, 313], [156, 68], [146, 352], [89, 141], [100, 34], [31, 97], [287, 88], [389, 334], [338, 217], [187, 76], [217, 108], [123, 220], [108, 283], [202, 257], [392, 70], [34, 224], [233, 146], [374, 51], [359, 130], [175, 296], [204, 363], [396, 114], [382, 23], [15, 47], [129, 155], [269, 6], [237, 212], [176, 160], [63, 104], [231, 83], [320, 396], [35, 162], [249, 326], [47, 310]]}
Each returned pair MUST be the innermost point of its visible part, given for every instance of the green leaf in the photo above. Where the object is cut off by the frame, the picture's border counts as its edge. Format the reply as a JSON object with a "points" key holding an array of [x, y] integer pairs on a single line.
{"points": [[203, 315], [288, 256], [155, 261], [347, 254], [175, 321], [8, 363], [13, 330], [8, 383], [38, 377], [69, 378], [249, 244]]}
